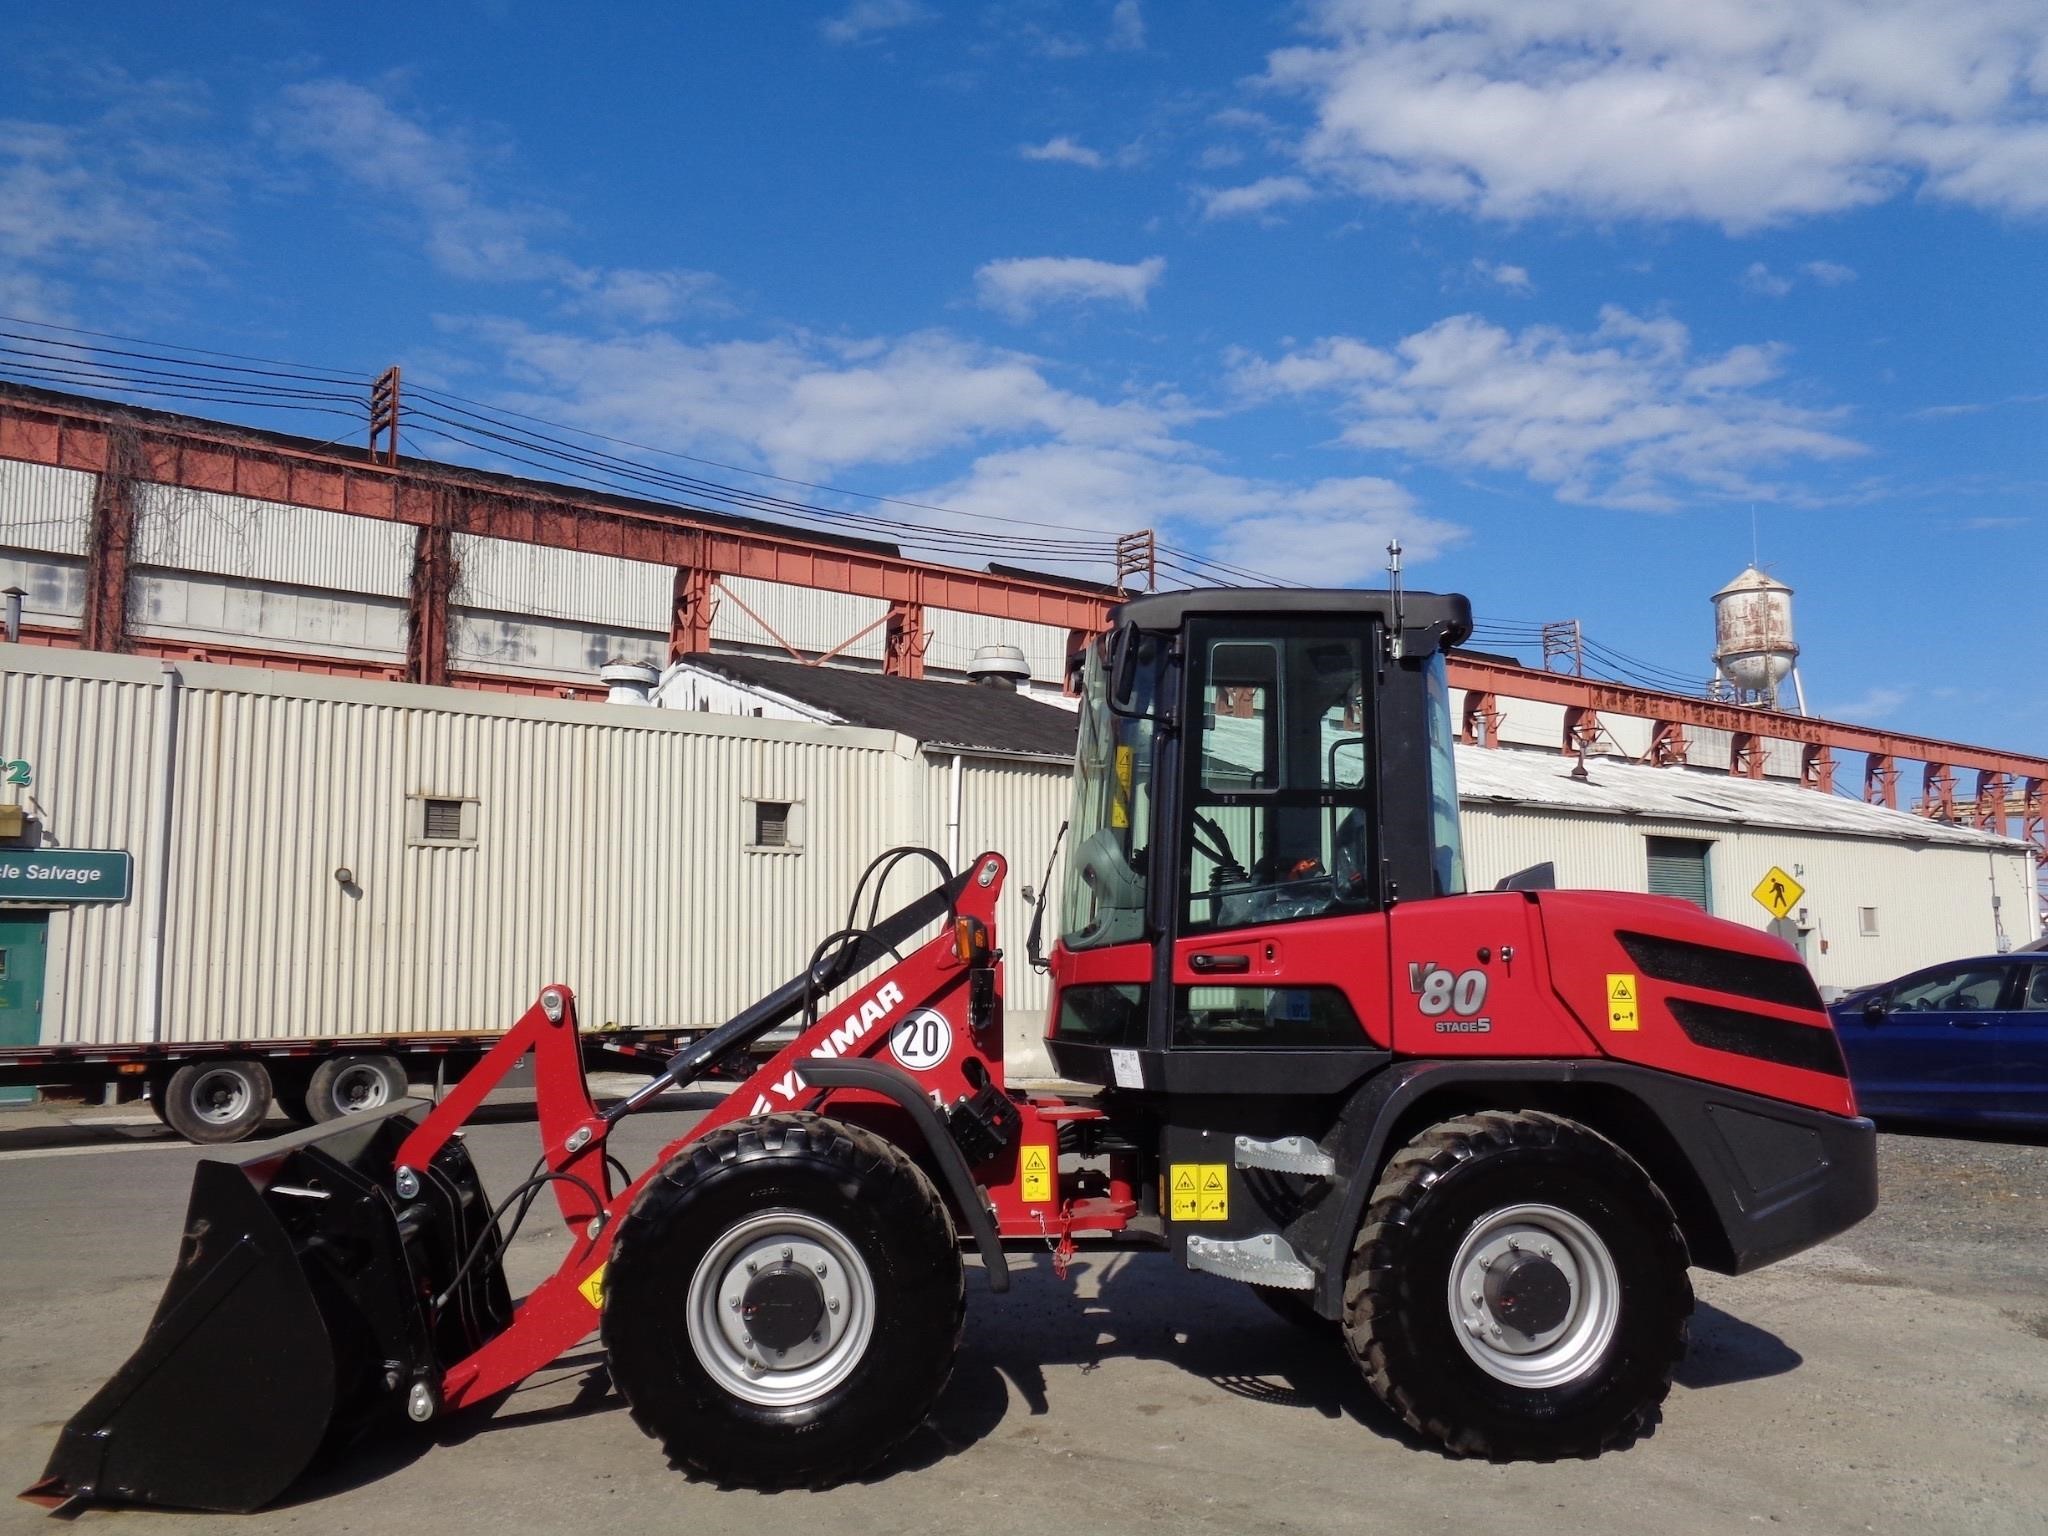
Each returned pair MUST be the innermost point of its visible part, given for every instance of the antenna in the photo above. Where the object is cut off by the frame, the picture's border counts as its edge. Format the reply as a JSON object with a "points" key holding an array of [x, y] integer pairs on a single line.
{"points": [[1394, 587]]}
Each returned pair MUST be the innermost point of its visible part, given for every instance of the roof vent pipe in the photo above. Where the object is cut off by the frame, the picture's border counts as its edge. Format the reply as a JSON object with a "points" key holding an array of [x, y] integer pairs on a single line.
{"points": [[999, 666], [628, 682]]}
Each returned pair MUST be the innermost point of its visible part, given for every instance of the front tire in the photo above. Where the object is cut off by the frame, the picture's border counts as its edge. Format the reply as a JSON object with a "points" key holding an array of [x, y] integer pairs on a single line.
{"points": [[783, 1302], [1518, 1289]]}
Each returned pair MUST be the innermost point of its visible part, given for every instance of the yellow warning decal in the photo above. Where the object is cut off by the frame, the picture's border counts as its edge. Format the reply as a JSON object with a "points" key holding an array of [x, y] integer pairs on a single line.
{"points": [[1623, 996], [1198, 1191], [593, 1288], [1037, 1172]]}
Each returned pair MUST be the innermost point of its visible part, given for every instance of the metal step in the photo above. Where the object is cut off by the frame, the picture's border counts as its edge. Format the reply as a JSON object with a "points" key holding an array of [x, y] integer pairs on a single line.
{"points": [[1285, 1154], [1267, 1259]]}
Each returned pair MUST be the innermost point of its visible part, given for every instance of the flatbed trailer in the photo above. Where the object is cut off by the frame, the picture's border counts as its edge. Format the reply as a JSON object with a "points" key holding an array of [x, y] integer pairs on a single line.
{"points": [[217, 1091]]}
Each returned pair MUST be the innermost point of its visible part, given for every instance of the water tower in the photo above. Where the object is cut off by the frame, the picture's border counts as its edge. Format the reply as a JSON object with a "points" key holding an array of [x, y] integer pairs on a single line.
{"points": [[1753, 647]]}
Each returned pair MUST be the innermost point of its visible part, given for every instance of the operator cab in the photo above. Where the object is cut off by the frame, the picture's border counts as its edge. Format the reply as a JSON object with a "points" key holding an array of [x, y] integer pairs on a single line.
{"points": [[1260, 777]]}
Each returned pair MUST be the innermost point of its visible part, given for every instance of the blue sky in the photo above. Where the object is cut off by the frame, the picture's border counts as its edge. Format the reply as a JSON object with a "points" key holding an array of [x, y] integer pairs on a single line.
{"points": [[1562, 295]]}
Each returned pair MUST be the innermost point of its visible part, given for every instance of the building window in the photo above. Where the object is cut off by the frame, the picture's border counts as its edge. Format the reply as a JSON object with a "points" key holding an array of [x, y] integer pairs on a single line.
{"points": [[1678, 867], [1866, 922], [775, 826], [441, 821]]}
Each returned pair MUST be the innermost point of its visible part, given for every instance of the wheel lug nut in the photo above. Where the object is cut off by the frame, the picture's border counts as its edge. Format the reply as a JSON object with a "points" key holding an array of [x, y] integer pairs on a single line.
{"points": [[1476, 1298], [833, 1304], [752, 1267], [1496, 1330], [734, 1303], [1515, 1243], [1546, 1250], [746, 1342], [785, 1255], [821, 1267], [1485, 1261]]}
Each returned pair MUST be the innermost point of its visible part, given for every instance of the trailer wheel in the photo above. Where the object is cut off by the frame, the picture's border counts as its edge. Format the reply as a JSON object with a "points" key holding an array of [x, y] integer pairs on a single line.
{"points": [[211, 1102], [783, 1302], [347, 1085], [1518, 1289]]}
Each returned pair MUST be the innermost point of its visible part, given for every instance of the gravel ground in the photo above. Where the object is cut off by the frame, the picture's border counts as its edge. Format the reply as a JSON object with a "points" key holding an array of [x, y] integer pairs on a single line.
{"points": [[1892, 1381]]}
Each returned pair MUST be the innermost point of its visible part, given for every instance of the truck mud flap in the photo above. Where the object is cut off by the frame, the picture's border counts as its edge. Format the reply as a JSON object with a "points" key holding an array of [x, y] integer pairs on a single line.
{"points": [[309, 1304]]}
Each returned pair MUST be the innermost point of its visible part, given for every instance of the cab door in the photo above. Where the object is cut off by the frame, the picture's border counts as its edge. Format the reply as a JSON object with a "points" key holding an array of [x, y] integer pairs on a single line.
{"points": [[1279, 939], [2023, 1048], [1932, 1048]]}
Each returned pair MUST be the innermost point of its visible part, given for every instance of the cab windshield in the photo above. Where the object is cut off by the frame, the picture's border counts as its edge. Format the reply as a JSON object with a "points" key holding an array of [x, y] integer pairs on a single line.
{"points": [[1103, 901]]}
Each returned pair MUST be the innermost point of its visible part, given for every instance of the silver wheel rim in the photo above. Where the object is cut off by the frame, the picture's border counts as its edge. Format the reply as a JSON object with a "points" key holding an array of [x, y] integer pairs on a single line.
{"points": [[360, 1086], [221, 1096], [718, 1332], [1556, 1355]]}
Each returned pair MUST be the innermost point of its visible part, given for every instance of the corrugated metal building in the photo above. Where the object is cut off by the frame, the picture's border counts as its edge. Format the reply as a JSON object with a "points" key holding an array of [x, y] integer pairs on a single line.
{"points": [[319, 856]]}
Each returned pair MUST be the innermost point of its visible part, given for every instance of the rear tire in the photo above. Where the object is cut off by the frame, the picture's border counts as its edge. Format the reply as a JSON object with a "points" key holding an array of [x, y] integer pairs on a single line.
{"points": [[1545, 1221], [348, 1085], [826, 1241], [213, 1102]]}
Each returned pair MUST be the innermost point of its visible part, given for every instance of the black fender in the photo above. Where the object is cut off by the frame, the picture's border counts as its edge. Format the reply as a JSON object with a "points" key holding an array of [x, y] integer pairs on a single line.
{"points": [[898, 1085], [1751, 1179]]}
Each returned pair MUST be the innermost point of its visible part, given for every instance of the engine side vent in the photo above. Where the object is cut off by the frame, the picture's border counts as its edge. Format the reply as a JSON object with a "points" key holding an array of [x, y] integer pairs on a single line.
{"points": [[1810, 1047], [1784, 982]]}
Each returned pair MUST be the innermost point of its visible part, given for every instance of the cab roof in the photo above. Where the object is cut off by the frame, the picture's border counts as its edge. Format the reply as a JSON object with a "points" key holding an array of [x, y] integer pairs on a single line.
{"points": [[1447, 614]]}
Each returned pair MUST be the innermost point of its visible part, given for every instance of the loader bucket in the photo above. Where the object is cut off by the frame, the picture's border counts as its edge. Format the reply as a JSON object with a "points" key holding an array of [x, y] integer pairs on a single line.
{"points": [[299, 1316]]}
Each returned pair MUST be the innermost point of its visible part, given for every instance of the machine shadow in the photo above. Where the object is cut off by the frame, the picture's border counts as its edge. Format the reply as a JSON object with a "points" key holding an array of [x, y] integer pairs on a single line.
{"points": [[1726, 1350], [1134, 1306]]}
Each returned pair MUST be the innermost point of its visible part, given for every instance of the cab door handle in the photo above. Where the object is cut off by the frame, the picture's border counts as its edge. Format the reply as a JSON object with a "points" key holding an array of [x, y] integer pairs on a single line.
{"points": [[1210, 965]]}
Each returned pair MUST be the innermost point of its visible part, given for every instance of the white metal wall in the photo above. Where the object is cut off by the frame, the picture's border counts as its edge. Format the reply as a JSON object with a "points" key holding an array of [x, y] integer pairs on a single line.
{"points": [[1933, 901], [89, 728], [1015, 809], [271, 542]]}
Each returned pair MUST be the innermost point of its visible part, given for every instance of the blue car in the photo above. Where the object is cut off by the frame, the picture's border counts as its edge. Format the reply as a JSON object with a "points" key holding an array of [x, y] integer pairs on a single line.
{"points": [[1964, 1043]]}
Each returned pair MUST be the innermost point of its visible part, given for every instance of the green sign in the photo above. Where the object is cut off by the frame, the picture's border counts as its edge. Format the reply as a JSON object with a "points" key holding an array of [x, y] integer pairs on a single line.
{"points": [[63, 874]]}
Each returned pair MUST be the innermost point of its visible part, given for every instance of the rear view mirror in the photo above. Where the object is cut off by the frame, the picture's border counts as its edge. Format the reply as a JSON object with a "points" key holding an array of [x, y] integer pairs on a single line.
{"points": [[1873, 1010], [1123, 666]]}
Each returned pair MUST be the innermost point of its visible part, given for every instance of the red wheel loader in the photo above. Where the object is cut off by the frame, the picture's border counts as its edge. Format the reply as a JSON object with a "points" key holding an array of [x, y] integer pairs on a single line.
{"points": [[1477, 1138]]}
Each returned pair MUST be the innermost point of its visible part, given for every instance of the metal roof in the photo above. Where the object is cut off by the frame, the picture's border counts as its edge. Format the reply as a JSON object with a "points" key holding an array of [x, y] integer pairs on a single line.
{"points": [[931, 712], [1505, 776]]}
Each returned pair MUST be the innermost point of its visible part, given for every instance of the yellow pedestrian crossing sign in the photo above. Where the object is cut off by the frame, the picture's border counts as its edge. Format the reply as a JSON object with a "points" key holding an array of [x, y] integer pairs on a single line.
{"points": [[1778, 893]]}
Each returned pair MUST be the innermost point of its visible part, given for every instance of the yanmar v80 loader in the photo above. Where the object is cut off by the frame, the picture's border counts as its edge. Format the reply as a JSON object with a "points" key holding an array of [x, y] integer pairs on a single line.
{"points": [[1477, 1138]]}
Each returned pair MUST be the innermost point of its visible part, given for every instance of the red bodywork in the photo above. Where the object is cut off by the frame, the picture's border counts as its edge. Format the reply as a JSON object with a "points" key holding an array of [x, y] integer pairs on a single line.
{"points": [[1547, 958], [886, 1015]]}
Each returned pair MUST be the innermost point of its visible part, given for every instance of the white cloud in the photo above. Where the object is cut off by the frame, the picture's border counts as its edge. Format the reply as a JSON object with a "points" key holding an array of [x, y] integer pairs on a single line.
{"points": [[869, 18], [437, 178], [1758, 278], [1126, 25], [1008, 441], [1062, 148], [432, 175], [1020, 286], [102, 198], [801, 404], [1514, 279], [1743, 113], [634, 296], [1258, 197], [1874, 704], [1625, 416], [1829, 274], [1330, 532]]}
